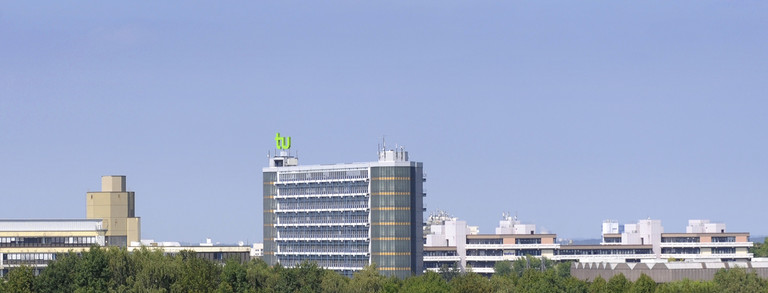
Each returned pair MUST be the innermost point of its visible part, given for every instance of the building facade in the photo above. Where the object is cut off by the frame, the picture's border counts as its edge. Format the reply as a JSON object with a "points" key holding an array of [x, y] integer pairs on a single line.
{"points": [[35, 243], [451, 243], [345, 216], [117, 208], [109, 220]]}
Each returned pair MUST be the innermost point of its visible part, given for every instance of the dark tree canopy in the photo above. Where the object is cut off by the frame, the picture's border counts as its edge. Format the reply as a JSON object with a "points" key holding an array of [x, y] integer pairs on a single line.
{"points": [[116, 270]]}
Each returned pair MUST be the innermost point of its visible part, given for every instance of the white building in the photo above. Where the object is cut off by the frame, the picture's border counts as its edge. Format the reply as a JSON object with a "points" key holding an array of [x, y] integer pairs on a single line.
{"points": [[345, 216]]}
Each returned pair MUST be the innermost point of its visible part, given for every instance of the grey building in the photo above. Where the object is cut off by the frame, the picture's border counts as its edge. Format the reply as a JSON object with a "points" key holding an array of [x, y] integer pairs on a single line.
{"points": [[345, 216]]}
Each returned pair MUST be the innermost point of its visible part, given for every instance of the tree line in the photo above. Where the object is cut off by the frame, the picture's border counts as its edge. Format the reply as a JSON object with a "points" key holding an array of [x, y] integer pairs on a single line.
{"points": [[116, 270], [760, 249]]}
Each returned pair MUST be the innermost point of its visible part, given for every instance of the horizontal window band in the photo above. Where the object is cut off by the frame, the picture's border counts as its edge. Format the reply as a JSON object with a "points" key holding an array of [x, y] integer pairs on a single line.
{"points": [[391, 223], [270, 196], [391, 193], [269, 211], [393, 269], [269, 225], [391, 253], [391, 209], [391, 238], [391, 178], [269, 182]]}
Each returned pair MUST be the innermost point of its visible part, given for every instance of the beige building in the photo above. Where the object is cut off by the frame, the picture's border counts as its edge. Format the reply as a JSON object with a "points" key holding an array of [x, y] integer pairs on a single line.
{"points": [[110, 220], [116, 207]]}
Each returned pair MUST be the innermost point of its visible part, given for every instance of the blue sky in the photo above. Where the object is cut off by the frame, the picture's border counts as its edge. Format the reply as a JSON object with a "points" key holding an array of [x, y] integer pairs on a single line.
{"points": [[565, 112]]}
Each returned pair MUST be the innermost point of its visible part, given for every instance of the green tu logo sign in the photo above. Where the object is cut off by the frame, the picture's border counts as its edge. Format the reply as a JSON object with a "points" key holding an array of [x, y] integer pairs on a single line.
{"points": [[283, 143]]}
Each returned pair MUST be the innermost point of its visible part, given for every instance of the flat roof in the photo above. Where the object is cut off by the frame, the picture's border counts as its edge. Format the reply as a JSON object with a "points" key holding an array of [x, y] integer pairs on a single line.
{"points": [[704, 234], [500, 236], [37, 225], [611, 246]]}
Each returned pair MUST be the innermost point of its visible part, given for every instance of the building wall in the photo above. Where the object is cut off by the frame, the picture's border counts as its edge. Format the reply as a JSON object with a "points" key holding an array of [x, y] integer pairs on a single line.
{"points": [[117, 208], [396, 230], [270, 205]]}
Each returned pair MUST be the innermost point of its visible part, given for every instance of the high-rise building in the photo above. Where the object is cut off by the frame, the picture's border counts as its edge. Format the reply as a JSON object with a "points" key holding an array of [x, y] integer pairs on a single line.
{"points": [[116, 206], [345, 216]]}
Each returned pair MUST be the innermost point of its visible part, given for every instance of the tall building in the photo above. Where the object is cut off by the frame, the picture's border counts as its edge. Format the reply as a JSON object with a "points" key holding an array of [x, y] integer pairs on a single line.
{"points": [[116, 207], [345, 216]]}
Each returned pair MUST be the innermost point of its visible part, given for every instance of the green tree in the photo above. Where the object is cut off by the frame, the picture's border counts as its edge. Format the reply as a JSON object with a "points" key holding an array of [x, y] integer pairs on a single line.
{"points": [[92, 274], [334, 282], [534, 280], [258, 273], [449, 272], [687, 286], [760, 249], [367, 280], [121, 265], [391, 285], [429, 282], [154, 271], [195, 274], [598, 285], [234, 277], [503, 283], [619, 284], [644, 284], [59, 275], [470, 282], [738, 280], [21, 279], [503, 268], [529, 262], [570, 284], [308, 277]]}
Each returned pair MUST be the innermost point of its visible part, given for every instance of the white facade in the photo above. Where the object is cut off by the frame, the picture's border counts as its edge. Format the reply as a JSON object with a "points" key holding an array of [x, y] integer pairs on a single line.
{"points": [[704, 226]]}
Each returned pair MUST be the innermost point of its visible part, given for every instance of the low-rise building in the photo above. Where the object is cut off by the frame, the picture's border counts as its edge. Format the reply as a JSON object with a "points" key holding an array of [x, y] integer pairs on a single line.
{"points": [[450, 243], [110, 221]]}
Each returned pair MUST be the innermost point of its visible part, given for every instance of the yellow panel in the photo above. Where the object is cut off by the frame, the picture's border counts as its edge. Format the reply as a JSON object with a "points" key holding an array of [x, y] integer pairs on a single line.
{"points": [[391, 223], [393, 269]]}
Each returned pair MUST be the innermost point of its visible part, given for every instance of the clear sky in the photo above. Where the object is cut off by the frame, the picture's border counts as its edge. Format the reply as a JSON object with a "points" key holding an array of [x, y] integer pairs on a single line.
{"points": [[566, 112]]}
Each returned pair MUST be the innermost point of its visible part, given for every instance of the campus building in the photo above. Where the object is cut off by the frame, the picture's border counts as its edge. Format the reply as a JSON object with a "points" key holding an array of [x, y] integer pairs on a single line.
{"points": [[215, 252], [110, 220], [345, 216], [117, 208], [451, 243]]}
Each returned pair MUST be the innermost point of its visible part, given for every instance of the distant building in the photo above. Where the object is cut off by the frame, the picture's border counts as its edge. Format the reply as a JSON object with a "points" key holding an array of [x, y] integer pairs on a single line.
{"points": [[110, 220], [449, 243], [703, 241], [345, 216], [207, 250]]}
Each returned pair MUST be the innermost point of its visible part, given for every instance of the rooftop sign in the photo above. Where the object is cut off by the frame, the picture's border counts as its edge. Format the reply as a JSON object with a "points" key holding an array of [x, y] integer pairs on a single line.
{"points": [[282, 142]]}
